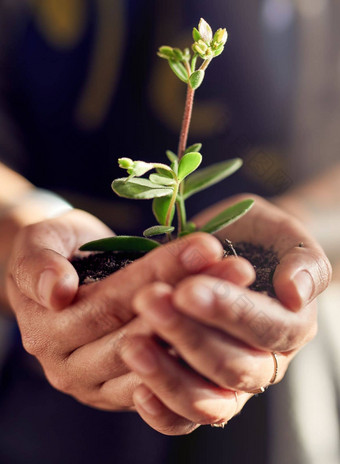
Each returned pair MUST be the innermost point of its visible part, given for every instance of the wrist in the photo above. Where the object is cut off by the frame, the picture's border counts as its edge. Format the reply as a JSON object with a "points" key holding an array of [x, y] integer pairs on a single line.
{"points": [[33, 205]]}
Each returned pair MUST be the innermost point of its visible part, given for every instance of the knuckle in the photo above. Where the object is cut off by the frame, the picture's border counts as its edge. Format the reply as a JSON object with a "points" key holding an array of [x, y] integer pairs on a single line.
{"points": [[104, 313], [61, 381], [237, 375], [281, 335], [33, 344]]}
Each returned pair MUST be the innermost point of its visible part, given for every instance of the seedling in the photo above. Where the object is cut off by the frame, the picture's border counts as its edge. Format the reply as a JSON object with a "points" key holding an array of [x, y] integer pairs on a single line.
{"points": [[170, 185]]}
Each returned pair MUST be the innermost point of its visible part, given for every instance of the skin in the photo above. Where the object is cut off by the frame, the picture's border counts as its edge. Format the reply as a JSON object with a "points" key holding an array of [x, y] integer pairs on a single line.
{"points": [[221, 339], [100, 343]]}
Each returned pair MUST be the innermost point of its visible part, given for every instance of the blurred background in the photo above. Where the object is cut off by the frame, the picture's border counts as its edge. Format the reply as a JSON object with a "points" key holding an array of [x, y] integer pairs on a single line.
{"points": [[80, 86]]}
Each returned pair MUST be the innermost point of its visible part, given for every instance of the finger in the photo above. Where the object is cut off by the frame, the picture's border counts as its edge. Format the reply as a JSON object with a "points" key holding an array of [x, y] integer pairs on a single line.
{"points": [[180, 389], [254, 318], [234, 269], [158, 416], [105, 306], [222, 359], [162, 419], [39, 265], [303, 273], [100, 361]]}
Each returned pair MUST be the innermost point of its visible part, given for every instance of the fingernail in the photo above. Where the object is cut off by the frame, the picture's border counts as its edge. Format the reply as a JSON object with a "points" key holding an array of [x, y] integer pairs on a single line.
{"points": [[46, 283], [147, 401], [304, 285], [140, 359]]}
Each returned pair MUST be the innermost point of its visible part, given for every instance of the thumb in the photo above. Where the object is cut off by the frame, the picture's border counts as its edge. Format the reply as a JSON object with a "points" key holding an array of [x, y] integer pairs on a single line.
{"points": [[303, 273], [39, 265]]}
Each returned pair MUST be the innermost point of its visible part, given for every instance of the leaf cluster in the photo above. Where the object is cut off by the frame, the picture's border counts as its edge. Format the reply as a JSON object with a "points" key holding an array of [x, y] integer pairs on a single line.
{"points": [[170, 185]]}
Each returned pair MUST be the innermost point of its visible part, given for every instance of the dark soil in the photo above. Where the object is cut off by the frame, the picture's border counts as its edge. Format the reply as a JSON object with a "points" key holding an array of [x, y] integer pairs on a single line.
{"points": [[97, 266], [264, 261]]}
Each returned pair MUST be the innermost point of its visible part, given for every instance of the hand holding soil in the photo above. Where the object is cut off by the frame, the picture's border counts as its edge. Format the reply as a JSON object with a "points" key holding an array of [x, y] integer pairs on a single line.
{"points": [[224, 332], [81, 336]]}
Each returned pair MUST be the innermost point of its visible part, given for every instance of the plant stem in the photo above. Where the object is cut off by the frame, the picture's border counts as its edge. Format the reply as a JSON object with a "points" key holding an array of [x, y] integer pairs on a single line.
{"points": [[171, 205], [186, 122], [181, 213]]}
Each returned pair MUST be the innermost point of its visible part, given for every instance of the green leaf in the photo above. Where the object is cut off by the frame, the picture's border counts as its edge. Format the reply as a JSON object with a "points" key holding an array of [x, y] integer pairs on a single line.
{"points": [[196, 35], [171, 155], [178, 54], [209, 176], [157, 230], [190, 227], [121, 243], [174, 167], [161, 180], [139, 189], [196, 79], [165, 173], [219, 50], [139, 168], [188, 164], [228, 216], [179, 70], [194, 147], [160, 208]]}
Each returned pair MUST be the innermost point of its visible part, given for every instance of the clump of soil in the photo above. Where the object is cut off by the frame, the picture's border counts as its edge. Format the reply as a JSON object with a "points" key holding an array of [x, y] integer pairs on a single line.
{"points": [[97, 266], [264, 261]]}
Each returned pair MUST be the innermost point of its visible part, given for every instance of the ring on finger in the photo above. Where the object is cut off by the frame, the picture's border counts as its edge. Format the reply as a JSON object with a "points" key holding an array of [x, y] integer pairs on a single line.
{"points": [[223, 424], [273, 378]]}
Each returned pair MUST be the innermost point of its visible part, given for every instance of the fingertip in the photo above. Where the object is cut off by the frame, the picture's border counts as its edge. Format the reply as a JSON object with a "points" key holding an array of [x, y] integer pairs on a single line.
{"points": [[297, 291], [202, 251], [303, 273], [64, 291], [237, 270], [57, 288]]}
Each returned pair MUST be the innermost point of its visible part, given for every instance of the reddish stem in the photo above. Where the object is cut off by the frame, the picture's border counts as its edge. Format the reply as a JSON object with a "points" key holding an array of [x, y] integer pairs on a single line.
{"points": [[186, 121]]}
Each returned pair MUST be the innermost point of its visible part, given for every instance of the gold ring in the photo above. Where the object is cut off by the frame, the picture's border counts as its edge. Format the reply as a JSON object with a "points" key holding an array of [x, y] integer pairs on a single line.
{"points": [[258, 391], [276, 367], [274, 376], [223, 424]]}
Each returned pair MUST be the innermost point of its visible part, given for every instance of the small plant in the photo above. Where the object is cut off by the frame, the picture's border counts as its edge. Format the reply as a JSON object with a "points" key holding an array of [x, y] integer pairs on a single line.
{"points": [[170, 185]]}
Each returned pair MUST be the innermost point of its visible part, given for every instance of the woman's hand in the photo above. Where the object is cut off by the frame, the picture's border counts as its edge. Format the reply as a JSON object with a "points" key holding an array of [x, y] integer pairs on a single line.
{"points": [[78, 334], [225, 333]]}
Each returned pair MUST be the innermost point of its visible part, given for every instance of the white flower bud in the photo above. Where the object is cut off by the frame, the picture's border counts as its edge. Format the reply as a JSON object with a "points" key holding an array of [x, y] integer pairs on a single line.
{"points": [[205, 31]]}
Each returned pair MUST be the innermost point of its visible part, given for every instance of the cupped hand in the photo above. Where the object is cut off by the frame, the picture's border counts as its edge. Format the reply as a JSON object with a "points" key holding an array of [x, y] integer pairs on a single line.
{"points": [[225, 332], [78, 334]]}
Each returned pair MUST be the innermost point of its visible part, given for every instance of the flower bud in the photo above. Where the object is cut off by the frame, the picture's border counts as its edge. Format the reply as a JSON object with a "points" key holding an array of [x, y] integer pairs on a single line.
{"points": [[166, 52], [125, 163], [205, 31], [220, 37]]}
